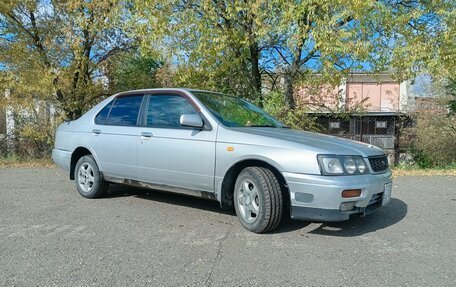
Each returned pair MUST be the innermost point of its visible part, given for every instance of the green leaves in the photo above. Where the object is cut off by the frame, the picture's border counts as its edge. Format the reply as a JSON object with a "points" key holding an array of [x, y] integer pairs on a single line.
{"points": [[57, 51], [58, 54], [130, 71], [83, 50], [216, 44]]}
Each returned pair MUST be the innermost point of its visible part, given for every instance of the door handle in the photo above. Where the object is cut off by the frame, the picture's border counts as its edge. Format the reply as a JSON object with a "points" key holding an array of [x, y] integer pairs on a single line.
{"points": [[96, 131], [146, 134]]}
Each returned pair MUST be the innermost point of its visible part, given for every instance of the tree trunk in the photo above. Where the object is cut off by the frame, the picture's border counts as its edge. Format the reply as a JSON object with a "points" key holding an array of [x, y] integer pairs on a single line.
{"points": [[288, 91], [255, 72]]}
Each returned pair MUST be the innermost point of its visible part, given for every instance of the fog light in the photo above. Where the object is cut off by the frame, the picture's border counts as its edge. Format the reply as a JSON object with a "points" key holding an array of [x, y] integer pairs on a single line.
{"points": [[347, 206], [351, 193]]}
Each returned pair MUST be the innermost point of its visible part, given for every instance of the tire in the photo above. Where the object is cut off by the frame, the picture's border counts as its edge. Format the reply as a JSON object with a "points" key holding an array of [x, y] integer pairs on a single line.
{"points": [[89, 181], [258, 199]]}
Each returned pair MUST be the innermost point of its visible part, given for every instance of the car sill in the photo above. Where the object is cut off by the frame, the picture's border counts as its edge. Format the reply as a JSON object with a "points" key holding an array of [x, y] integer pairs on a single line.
{"points": [[161, 187]]}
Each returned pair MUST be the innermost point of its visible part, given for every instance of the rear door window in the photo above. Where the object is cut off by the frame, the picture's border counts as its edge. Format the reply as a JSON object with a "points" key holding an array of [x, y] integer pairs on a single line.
{"points": [[124, 111]]}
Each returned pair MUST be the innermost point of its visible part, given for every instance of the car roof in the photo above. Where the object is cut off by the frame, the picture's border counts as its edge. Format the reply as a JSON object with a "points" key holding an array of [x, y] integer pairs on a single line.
{"points": [[166, 89]]}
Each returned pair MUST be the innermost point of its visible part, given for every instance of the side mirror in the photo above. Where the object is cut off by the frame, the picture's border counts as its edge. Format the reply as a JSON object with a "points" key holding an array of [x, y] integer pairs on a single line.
{"points": [[191, 120]]}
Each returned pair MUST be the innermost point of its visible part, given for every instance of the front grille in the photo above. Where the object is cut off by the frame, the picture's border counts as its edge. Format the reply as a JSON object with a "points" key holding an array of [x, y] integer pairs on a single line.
{"points": [[379, 163]]}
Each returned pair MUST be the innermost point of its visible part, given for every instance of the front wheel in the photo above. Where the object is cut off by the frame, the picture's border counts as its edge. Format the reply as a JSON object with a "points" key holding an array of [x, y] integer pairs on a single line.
{"points": [[258, 199], [89, 181]]}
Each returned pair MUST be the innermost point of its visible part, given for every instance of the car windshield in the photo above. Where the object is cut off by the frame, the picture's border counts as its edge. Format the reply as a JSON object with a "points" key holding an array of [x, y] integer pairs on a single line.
{"points": [[236, 112]]}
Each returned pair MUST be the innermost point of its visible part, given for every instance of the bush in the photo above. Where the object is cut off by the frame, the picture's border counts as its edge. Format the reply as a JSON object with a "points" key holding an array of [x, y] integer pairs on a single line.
{"points": [[33, 133], [296, 118], [436, 139], [420, 158]]}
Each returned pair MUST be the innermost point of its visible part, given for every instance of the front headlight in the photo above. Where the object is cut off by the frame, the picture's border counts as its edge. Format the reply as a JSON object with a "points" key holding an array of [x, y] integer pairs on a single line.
{"points": [[342, 165], [331, 165], [361, 165]]}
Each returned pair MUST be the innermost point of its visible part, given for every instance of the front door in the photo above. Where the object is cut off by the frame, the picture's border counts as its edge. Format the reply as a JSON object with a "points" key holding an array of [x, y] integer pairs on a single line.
{"points": [[170, 154]]}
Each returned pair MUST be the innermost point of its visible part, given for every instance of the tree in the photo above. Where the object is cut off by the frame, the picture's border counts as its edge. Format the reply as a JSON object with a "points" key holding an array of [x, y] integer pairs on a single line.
{"points": [[421, 38], [56, 51], [217, 42], [451, 90], [330, 38], [131, 71]]}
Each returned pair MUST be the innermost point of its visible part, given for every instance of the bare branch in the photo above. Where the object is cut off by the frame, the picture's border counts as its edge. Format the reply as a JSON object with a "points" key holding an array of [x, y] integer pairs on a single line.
{"points": [[112, 52], [281, 55], [309, 56]]}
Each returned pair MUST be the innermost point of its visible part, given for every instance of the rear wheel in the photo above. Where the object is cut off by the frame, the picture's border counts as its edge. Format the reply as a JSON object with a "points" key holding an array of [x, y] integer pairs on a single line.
{"points": [[258, 199], [89, 181]]}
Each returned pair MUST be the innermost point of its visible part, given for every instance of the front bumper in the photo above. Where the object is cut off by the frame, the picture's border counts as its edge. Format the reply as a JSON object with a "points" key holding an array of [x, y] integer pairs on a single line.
{"points": [[62, 158], [319, 198]]}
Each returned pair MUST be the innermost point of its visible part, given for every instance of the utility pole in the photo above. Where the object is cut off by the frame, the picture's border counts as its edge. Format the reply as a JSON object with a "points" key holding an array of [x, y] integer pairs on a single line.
{"points": [[10, 125]]}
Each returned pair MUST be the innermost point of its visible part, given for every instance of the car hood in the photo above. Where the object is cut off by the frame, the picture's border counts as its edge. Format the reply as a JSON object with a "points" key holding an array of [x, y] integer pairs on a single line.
{"points": [[295, 139]]}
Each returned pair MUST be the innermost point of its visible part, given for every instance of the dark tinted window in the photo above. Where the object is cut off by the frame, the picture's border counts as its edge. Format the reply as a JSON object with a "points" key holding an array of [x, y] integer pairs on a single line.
{"points": [[124, 111], [101, 117], [164, 111]]}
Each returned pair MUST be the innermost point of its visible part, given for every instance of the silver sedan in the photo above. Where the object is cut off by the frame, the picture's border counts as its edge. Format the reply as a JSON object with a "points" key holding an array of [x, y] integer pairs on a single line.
{"points": [[222, 148]]}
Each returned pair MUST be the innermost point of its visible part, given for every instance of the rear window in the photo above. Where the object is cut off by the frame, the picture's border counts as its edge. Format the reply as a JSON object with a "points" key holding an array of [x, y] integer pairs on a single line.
{"points": [[124, 111]]}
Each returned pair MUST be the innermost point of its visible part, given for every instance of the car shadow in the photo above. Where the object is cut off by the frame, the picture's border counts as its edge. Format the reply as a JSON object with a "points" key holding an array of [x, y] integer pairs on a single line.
{"points": [[392, 213], [119, 190], [288, 225], [386, 216]]}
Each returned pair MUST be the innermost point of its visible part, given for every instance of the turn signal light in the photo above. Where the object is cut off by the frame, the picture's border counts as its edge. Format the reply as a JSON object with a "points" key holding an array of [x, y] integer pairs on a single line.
{"points": [[351, 193]]}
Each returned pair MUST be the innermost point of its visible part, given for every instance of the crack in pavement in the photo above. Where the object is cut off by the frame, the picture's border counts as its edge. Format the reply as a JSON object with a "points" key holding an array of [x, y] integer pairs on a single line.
{"points": [[218, 256]]}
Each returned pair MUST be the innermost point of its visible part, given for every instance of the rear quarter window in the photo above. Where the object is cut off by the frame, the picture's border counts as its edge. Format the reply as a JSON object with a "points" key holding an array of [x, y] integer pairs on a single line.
{"points": [[100, 119]]}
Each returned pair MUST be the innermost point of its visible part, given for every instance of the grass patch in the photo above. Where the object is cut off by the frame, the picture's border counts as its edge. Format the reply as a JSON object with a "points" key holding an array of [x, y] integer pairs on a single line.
{"points": [[415, 170], [15, 161]]}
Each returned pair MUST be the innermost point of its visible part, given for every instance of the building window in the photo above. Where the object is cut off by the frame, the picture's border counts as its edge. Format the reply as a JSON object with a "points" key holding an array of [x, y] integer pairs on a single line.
{"points": [[380, 124], [334, 125]]}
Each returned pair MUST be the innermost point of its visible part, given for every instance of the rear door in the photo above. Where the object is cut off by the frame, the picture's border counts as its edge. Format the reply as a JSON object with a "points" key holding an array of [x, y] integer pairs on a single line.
{"points": [[114, 138], [173, 155]]}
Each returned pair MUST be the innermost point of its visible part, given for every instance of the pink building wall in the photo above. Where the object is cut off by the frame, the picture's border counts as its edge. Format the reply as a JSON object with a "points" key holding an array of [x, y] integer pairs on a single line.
{"points": [[323, 97], [357, 93], [377, 97]]}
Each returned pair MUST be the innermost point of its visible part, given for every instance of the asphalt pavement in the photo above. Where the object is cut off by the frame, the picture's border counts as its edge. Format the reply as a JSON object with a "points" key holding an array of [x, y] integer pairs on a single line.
{"points": [[51, 236]]}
